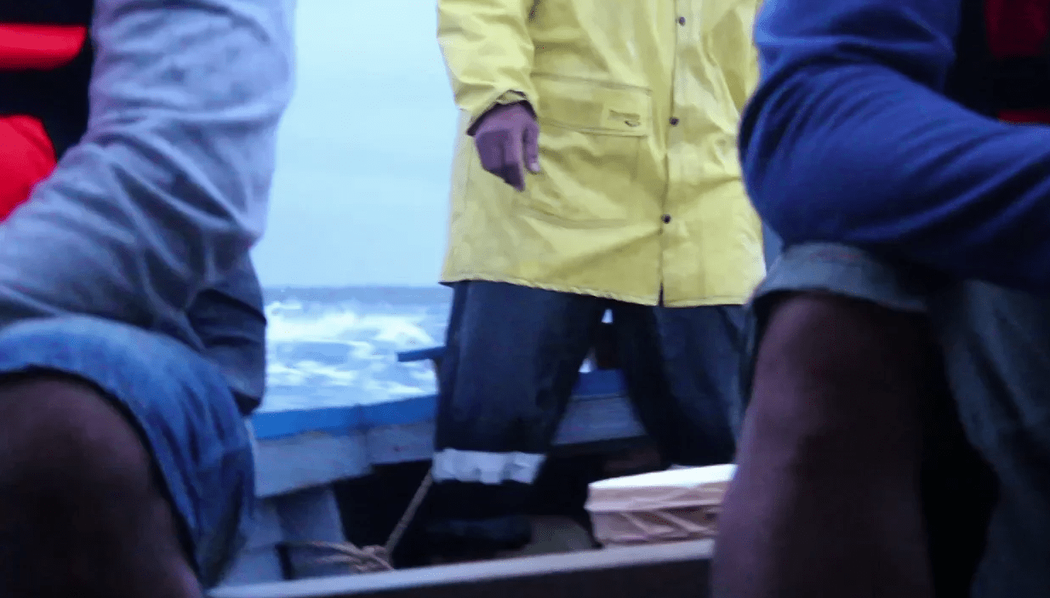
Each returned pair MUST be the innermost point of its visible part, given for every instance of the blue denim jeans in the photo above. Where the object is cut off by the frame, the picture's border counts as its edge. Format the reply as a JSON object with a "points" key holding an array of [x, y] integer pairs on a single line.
{"points": [[180, 405], [513, 354]]}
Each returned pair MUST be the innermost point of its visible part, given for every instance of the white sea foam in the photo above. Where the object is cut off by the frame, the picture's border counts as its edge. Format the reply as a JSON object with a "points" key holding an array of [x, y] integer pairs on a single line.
{"points": [[339, 350]]}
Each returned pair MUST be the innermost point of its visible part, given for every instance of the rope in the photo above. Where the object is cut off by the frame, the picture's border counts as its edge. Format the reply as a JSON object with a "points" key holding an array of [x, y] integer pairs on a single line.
{"points": [[410, 514], [370, 559]]}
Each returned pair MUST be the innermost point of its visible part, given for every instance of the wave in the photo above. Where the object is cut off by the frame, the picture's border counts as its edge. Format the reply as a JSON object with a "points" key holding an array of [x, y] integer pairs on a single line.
{"points": [[338, 347]]}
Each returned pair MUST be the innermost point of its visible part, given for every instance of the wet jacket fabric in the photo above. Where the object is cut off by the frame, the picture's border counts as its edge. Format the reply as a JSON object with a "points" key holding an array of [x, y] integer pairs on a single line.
{"points": [[640, 188]]}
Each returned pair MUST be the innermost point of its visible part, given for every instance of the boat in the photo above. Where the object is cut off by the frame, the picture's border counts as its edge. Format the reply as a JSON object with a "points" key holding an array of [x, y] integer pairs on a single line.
{"points": [[677, 570], [338, 486]]}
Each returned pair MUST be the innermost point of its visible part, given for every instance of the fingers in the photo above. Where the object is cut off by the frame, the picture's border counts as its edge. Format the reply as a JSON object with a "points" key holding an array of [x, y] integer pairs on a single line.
{"points": [[490, 150], [502, 154], [532, 147], [514, 160], [507, 141]]}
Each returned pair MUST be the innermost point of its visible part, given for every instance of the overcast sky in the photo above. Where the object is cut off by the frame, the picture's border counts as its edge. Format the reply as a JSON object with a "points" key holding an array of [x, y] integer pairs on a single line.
{"points": [[361, 191]]}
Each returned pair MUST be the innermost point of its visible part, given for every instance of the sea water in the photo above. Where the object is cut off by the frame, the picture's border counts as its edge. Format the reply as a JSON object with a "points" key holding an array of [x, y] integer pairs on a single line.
{"points": [[338, 346]]}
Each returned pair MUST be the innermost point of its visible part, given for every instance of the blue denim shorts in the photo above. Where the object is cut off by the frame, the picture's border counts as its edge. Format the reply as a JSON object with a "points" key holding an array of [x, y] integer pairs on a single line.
{"points": [[181, 406], [995, 347]]}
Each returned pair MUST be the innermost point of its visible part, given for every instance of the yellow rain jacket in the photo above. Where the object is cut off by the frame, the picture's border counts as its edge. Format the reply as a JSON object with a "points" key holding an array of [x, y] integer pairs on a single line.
{"points": [[640, 187]]}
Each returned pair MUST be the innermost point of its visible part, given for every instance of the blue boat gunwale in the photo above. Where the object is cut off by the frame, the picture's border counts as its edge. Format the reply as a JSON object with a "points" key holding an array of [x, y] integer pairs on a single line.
{"points": [[274, 425], [421, 354]]}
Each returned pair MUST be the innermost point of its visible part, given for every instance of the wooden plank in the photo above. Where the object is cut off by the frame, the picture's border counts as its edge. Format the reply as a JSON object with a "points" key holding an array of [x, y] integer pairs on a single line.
{"points": [[309, 450], [659, 571], [389, 445], [302, 448], [272, 425], [421, 354], [317, 459], [586, 422]]}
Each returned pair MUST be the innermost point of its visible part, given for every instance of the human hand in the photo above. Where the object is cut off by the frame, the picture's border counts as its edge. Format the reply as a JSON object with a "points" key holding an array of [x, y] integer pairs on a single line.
{"points": [[507, 140]]}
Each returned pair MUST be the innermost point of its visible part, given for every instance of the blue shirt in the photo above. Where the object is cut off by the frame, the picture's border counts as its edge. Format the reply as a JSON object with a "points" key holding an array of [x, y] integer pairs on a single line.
{"points": [[851, 138]]}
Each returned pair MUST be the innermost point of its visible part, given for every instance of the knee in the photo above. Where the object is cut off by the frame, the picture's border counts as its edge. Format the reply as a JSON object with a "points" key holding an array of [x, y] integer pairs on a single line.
{"points": [[834, 372], [842, 341], [62, 437]]}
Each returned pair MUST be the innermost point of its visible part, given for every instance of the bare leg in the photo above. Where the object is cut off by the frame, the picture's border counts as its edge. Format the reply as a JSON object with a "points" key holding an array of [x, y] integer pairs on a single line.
{"points": [[81, 510], [826, 499]]}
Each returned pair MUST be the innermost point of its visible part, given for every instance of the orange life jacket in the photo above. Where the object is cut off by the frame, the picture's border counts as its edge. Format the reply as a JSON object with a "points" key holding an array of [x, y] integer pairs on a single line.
{"points": [[45, 62]]}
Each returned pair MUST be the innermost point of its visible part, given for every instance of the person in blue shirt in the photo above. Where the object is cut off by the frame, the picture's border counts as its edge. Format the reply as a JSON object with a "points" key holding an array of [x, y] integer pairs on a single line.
{"points": [[898, 433]]}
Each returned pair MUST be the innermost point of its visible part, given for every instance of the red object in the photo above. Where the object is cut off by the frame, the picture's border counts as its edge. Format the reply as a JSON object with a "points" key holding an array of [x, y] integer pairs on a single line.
{"points": [[1038, 115], [27, 154], [39, 47], [1017, 28], [26, 157]]}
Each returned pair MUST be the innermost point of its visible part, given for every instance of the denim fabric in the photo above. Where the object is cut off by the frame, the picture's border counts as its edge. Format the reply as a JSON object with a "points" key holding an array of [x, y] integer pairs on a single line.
{"points": [[179, 403], [512, 357]]}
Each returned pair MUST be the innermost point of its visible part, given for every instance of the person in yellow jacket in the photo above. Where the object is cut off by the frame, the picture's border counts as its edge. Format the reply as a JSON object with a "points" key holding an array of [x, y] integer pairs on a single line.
{"points": [[596, 170]]}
